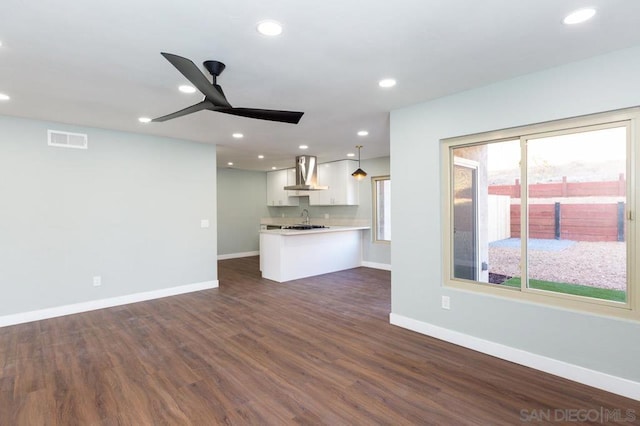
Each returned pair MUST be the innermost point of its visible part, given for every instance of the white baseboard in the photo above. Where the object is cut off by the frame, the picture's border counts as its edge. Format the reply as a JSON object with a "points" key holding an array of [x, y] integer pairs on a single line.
{"points": [[92, 305], [596, 379], [237, 255], [374, 265]]}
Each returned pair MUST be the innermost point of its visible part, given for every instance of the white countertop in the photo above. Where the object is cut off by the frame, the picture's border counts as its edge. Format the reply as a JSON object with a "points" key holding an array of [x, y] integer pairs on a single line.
{"points": [[288, 232]]}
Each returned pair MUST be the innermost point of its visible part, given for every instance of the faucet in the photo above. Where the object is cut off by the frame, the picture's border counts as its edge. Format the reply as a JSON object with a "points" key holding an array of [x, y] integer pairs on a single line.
{"points": [[305, 214]]}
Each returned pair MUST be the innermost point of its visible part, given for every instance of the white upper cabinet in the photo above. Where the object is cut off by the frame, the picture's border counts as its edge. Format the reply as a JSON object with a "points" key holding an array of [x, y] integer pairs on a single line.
{"points": [[343, 188], [276, 194]]}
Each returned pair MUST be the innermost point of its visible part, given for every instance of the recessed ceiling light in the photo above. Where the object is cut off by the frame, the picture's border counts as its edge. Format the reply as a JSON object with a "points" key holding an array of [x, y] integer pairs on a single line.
{"points": [[144, 120], [261, 156], [4, 97], [269, 28], [351, 154], [363, 133], [238, 135], [274, 168], [303, 147], [185, 88], [387, 82], [230, 163], [579, 16]]}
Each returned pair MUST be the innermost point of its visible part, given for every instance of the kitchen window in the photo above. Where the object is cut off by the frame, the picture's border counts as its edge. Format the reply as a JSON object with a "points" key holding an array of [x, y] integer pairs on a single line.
{"points": [[546, 213], [381, 208]]}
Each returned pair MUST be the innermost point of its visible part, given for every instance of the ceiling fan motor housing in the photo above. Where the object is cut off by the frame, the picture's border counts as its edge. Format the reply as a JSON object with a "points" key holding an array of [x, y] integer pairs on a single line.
{"points": [[215, 68]]}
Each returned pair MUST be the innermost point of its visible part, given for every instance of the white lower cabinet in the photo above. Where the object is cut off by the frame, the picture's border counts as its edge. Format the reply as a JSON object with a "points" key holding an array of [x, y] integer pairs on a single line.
{"points": [[343, 188], [288, 256]]}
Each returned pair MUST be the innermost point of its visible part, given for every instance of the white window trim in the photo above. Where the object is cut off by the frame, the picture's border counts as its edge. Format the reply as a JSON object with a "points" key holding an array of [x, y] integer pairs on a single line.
{"points": [[374, 198], [629, 310]]}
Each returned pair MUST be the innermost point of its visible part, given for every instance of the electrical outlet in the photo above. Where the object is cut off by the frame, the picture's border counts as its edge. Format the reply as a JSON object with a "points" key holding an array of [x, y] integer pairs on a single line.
{"points": [[204, 223], [97, 281], [326, 215], [446, 302]]}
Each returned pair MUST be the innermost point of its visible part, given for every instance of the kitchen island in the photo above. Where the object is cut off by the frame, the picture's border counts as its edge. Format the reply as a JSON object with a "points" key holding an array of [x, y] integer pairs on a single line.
{"points": [[290, 254]]}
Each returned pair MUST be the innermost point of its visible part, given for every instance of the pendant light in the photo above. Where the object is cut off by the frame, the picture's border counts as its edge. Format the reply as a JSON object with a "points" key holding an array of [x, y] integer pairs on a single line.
{"points": [[359, 174]]}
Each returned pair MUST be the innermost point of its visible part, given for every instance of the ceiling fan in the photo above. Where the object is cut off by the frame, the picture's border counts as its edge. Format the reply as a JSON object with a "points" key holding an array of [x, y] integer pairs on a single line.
{"points": [[214, 98]]}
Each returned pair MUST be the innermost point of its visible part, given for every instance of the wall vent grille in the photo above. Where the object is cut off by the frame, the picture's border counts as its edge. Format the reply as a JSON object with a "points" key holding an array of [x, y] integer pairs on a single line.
{"points": [[67, 139]]}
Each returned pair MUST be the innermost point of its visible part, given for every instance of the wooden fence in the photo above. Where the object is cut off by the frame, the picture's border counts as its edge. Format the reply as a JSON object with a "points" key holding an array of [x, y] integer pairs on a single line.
{"points": [[577, 222], [614, 188], [569, 221]]}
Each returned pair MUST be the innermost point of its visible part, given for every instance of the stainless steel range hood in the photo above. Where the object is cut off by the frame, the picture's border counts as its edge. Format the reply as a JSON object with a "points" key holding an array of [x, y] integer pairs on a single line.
{"points": [[306, 175]]}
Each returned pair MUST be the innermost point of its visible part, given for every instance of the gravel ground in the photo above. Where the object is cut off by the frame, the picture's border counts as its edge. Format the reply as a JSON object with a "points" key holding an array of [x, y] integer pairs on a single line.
{"points": [[598, 264]]}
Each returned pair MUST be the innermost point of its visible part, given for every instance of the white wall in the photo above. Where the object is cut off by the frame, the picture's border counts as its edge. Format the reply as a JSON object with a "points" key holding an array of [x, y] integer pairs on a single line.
{"points": [[127, 209], [242, 202], [598, 84]]}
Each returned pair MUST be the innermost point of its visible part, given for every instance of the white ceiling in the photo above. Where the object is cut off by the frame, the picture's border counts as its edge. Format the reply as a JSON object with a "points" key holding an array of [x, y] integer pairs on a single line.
{"points": [[99, 64]]}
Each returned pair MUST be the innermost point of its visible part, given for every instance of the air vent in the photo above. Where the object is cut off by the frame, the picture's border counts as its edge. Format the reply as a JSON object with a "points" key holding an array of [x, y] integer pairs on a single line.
{"points": [[67, 139]]}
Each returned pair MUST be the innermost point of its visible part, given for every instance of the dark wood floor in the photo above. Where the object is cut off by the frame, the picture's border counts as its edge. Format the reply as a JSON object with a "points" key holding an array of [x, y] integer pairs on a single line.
{"points": [[313, 351]]}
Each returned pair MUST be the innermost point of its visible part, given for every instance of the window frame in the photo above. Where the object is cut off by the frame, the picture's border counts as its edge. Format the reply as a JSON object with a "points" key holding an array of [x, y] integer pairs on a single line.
{"points": [[629, 117], [374, 198]]}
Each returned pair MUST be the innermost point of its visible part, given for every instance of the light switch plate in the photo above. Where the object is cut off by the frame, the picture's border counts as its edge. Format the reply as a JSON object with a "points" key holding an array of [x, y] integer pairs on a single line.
{"points": [[204, 223], [446, 302]]}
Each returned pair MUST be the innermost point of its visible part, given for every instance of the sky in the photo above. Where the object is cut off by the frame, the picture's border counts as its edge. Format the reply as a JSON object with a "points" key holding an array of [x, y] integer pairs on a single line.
{"points": [[587, 147]]}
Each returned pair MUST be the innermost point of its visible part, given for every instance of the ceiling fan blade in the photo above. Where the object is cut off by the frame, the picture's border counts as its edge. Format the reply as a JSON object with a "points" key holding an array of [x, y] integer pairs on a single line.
{"points": [[195, 76], [263, 114], [188, 110]]}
